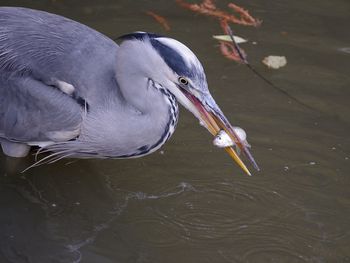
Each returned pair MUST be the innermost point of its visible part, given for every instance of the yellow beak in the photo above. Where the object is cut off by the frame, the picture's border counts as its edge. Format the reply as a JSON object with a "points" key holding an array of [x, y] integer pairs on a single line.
{"points": [[215, 121]]}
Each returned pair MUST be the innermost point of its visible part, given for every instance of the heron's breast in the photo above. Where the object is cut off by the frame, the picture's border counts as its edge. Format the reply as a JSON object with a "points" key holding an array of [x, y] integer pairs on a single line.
{"points": [[173, 116]]}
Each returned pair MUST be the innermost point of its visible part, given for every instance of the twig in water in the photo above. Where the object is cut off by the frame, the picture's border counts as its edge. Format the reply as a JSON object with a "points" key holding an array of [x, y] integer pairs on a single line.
{"points": [[244, 59], [207, 7], [160, 19]]}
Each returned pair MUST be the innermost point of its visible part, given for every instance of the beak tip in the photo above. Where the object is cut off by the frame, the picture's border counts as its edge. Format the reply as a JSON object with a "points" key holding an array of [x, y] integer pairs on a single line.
{"points": [[246, 171]]}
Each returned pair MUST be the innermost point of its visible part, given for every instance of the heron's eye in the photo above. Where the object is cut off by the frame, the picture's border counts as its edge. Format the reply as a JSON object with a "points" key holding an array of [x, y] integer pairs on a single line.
{"points": [[183, 81]]}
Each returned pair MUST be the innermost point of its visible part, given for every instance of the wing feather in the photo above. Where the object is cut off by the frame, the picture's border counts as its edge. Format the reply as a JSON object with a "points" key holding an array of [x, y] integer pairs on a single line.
{"points": [[38, 52], [32, 111]]}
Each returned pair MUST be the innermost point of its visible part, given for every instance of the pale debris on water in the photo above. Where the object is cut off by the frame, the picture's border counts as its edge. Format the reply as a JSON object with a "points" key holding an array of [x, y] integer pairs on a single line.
{"points": [[275, 62], [345, 49], [227, 38]]}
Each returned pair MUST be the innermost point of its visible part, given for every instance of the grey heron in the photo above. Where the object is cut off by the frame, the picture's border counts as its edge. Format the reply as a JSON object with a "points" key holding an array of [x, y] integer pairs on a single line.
{"points": [[76, 93]]}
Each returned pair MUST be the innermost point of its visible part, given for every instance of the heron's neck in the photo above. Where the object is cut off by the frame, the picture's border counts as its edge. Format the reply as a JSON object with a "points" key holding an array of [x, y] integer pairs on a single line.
{"points": [[138, 127], [165, 118]]}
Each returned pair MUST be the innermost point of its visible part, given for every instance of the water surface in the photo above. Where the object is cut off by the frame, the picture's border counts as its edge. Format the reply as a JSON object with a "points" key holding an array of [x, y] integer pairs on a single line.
{"points": [[190, 202]]}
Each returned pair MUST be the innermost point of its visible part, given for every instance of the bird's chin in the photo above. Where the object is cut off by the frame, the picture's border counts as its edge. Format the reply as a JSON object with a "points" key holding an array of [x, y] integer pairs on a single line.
{"points": [[214, 121]]}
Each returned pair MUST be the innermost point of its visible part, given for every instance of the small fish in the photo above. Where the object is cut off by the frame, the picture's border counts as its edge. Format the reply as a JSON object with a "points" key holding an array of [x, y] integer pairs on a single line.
{"points": [[241, 134], [222, 139]]}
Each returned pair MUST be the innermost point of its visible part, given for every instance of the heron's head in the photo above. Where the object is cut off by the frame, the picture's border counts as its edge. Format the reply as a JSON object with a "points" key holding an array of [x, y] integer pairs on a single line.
{"points": [[174, 66]]}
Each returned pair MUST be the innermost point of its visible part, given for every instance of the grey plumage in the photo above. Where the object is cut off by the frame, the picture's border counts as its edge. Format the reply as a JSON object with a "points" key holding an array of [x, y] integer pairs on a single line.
{"points": [[38, 48], [30, 61], [74, 92]]}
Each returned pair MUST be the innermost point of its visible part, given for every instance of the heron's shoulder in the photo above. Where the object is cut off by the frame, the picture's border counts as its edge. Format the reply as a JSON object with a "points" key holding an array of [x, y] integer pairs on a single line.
{"points": [[41, 25], [44, 44]]}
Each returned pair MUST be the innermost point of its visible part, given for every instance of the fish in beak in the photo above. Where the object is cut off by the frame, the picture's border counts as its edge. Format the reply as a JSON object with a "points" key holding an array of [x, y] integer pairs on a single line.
{"points": [[210, 115]]}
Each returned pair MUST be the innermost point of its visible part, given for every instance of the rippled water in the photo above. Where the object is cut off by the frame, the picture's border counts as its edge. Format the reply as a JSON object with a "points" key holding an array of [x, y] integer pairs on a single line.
{"points": [[190, 203]]}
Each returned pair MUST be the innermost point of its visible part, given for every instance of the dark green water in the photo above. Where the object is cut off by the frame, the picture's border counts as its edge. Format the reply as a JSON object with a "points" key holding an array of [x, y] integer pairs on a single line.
{"points": [[191, 203]]}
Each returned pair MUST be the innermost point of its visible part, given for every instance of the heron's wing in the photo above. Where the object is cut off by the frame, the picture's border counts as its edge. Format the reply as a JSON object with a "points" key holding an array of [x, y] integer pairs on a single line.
{"points": [[52, 48], [38, 52], [31, 111]]}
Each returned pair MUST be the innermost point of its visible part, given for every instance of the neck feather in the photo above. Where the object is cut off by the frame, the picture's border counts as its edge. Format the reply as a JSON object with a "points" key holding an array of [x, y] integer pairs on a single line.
{"points": [[123, 131]]}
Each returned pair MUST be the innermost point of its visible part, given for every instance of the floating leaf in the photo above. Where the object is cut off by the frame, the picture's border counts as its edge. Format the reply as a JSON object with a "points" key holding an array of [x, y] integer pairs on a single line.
{"points": [[275, 62], [227, 38]]}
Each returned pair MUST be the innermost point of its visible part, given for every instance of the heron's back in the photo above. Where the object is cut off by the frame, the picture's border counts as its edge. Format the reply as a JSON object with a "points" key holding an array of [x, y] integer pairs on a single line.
{"points": [[46, 46]]}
